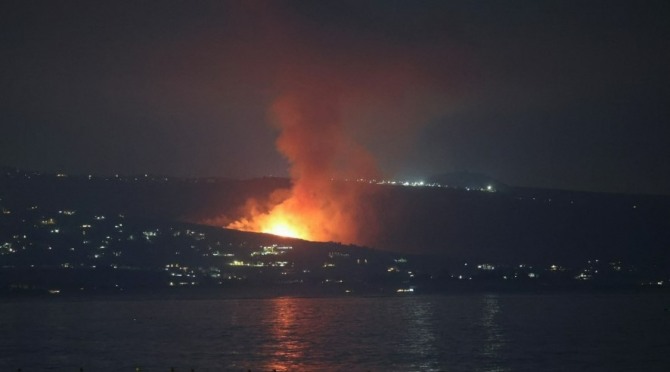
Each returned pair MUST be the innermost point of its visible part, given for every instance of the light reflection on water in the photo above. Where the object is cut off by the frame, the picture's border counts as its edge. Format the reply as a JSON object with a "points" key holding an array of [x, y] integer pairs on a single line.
{"points": [[419, 338], [289, 345], [492, 350], [407, 333]]}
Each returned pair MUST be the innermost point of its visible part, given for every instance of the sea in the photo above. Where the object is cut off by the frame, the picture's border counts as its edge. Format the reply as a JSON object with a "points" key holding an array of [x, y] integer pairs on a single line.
{"points": [[459, 332]]}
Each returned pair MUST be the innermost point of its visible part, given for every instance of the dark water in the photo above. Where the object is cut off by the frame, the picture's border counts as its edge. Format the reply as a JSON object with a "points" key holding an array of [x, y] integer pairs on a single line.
{"points": [[561, 332]]}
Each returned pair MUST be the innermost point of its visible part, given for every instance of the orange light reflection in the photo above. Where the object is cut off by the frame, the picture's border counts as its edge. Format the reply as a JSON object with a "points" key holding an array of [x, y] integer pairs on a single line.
{"points": [[289, 349]]}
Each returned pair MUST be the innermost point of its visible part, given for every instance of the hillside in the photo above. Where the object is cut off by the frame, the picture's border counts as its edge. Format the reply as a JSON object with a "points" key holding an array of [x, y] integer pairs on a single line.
{"points": [[520, 225]]}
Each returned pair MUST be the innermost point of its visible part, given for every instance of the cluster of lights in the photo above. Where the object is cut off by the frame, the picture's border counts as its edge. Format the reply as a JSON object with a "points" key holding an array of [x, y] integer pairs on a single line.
{"points": [[488, 188]]}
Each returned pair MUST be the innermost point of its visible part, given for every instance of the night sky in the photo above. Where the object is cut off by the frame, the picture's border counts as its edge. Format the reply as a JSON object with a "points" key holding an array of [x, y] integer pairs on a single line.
{"points": [[572, 95]]}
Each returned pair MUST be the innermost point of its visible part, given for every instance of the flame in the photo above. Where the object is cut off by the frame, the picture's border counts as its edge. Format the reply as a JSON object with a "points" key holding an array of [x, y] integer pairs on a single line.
{"points": [[282, 229], [329, 106], [320, 151], [325, 215], [279, 221], [278, 225]]}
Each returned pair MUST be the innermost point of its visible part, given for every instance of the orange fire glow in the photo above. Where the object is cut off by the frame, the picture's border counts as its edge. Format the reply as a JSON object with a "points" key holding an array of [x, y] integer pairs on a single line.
{"points": [[329, 214], [329, 108], [282, 229], [319, 149], [278, 221], [282, 226]]}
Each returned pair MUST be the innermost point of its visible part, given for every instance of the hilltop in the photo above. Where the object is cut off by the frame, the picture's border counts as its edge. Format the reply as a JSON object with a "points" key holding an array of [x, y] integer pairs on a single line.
{"points": [[150, 228]]}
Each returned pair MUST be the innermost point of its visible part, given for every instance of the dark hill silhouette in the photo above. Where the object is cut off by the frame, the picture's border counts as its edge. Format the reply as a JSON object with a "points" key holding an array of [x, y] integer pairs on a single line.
{"points": [[519, 225], [468, 180], [525, 225]]}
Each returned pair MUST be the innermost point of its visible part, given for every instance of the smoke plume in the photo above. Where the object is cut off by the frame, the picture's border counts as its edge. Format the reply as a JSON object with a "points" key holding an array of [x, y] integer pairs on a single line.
{"points": [[330, 103]]}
